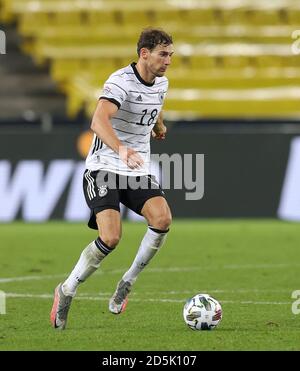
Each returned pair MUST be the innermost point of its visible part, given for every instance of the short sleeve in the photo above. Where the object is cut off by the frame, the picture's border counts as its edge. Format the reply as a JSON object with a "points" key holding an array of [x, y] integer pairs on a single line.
{"points": [[114, 90]]}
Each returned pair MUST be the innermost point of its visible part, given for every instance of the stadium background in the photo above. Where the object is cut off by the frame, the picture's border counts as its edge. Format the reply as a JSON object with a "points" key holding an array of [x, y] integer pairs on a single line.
{"points": [[234, 97]]}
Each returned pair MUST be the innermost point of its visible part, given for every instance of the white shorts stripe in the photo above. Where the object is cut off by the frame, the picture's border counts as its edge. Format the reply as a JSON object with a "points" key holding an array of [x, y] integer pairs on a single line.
{"points": [[90, 188], [93, 193]]}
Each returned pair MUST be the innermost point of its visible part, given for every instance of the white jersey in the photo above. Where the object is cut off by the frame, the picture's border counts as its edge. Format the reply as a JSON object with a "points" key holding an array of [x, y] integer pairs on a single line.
{"points": [[139, 105]]}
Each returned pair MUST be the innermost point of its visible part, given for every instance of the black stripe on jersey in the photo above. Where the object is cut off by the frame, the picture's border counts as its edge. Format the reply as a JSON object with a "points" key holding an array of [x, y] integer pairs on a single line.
{"points": [[118, 118], [112, 83], [116, 157], [98, 145], [129, 122], [137, 82], [162, 82], [144, 103], [130, 132], [93, 150], [134, 142], [112, 100], [114, 170], [123, 73], [142, 92], [135, 113], [95, 145], [137, 150]]}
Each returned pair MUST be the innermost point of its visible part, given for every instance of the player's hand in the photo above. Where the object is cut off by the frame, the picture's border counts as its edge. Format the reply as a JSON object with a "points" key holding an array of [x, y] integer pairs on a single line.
{"points": [[159, 132], [130, 157]]}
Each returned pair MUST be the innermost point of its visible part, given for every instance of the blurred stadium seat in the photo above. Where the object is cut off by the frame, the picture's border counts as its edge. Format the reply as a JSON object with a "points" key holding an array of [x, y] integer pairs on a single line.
{"points": [[232, 58]]}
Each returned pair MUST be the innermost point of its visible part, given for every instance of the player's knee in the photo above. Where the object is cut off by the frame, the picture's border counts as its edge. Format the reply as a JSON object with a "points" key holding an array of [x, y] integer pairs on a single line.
{"points": [[111, 239], [163, 221]]}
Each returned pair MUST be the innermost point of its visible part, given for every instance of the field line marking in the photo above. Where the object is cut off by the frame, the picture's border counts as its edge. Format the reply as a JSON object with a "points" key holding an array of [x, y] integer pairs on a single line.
{"points": [[99, 298], [153, 270], [31, 278]]}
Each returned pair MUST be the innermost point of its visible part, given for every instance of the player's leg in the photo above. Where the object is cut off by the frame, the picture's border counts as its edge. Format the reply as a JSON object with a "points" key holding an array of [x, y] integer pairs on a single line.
{"points": [[159, 218], [158, 215], [103, 200], [109, 226]]}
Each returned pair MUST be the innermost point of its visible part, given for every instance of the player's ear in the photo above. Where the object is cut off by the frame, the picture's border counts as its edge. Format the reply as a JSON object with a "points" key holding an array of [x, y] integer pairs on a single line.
{"points": [[144, 52]]}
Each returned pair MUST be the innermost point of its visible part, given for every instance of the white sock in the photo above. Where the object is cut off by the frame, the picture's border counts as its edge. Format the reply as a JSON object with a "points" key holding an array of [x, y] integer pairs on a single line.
{"points": [[87, 264], [151, 243]]}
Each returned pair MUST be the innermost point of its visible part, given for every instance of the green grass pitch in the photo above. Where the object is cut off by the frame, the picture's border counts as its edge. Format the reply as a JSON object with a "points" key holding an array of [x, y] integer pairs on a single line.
{"points": [[250, 266]]}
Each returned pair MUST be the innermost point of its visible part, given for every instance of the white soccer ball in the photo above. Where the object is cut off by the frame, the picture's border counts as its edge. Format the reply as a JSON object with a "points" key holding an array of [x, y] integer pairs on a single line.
{"points": [[202, 312]]}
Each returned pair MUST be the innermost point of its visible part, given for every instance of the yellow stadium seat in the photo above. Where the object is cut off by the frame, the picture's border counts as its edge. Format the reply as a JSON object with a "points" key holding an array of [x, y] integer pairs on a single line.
{"points": [[30, 23], [6, 13], [293, 16], [231, 59], [105, 17]]}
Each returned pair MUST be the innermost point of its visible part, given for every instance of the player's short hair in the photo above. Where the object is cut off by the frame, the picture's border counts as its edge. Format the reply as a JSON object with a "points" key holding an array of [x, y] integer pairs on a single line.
{"points": [[151, 37]]}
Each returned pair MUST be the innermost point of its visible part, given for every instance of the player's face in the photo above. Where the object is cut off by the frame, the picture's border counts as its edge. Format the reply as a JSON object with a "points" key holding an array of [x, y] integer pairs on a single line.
{"points": [[159, 59]]}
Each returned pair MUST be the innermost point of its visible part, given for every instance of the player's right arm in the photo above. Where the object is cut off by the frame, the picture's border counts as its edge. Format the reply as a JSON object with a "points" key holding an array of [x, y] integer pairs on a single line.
{"points": [[159, 130], [101, 126]]}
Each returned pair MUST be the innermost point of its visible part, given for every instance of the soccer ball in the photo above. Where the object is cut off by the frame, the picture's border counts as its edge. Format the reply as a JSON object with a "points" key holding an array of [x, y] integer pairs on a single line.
{"points": [[202, 312]]}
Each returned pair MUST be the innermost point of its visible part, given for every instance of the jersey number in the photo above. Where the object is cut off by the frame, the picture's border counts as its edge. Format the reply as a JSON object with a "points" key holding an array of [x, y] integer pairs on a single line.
{"points": [[151, 119]]}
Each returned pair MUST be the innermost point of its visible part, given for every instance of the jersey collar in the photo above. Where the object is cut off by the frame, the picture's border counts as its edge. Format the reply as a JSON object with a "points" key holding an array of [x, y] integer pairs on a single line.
{"points": [[138, 76]]}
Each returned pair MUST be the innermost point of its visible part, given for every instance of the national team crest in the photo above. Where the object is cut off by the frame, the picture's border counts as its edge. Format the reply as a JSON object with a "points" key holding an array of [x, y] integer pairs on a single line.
{"points": [[103, 190], [161, 96]]}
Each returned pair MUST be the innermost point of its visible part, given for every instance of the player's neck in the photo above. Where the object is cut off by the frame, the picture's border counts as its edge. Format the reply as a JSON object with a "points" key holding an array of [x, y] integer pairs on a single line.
{"points": [[144, 73]]}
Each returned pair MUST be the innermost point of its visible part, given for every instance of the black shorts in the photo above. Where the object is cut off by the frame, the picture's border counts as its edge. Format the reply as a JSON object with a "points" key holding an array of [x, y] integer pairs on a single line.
{"points": [[105, 190]]}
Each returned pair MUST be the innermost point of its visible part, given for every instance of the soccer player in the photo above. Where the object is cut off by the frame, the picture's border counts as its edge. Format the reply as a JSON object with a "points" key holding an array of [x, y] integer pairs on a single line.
{"points": [[128, 112]]}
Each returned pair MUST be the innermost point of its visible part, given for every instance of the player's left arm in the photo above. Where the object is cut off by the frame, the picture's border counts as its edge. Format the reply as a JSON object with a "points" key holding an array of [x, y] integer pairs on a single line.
{"points": [[159, 130]]}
